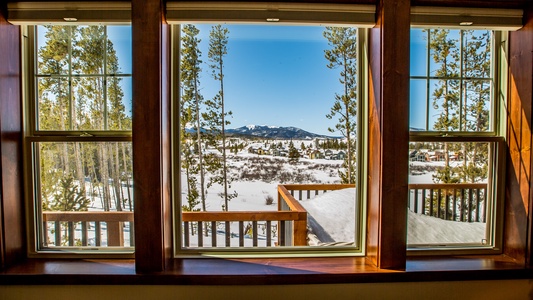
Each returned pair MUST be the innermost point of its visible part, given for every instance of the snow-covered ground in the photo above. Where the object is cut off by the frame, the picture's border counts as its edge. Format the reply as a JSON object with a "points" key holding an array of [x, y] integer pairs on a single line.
{"points": [[334, 211], [256, 178]]}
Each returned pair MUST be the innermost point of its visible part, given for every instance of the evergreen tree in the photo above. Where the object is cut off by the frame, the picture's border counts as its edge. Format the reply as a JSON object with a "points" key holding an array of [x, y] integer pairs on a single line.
{"points": [[294, 155], [343, 55], [190, 104], [463, 104], [70, 102], [216, 114]]}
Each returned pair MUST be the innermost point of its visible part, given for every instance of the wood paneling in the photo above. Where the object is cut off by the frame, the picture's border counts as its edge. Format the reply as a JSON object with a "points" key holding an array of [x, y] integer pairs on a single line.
{"points": [[151, 135], [389, 135], [12, 225], [518, 202]]}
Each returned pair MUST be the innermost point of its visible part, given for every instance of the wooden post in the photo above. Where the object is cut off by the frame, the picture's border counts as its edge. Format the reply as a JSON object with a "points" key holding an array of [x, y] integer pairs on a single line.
{"points": [[151, 136], [300, 230], [388, 134], [518, 225], [12, 222], [115, 234]]}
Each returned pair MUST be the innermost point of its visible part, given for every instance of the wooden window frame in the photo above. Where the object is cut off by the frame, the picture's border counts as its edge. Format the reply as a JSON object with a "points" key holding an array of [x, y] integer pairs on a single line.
{"points": [[386, 230]]}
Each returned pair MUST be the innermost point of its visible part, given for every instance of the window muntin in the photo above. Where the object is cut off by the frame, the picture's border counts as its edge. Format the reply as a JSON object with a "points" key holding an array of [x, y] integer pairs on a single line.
{"points": [[456, 67], [81, 78], [283, 50], [79, 139], [455, 150]]}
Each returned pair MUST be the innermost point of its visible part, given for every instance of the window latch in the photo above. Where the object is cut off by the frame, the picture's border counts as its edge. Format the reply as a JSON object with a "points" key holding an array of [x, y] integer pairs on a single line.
{"points": [[86, 134]]}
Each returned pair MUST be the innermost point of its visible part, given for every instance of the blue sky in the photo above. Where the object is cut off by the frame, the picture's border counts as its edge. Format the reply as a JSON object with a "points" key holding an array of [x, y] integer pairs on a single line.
{"points": [[274, 75]]}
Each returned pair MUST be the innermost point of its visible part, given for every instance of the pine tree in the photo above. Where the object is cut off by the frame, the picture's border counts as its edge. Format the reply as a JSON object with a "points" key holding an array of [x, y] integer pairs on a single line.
{"points": [[294, 155], [216, 114], [463, 103], [191, 101], [80, 103], [343, 55]]}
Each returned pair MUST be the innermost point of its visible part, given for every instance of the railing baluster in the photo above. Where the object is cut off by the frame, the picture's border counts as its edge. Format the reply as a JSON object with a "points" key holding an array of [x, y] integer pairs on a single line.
{"points": [[200, 234], [424, 201], [98, 233], [300, 195], [84, 233], [431, 194], [462, 212], [416, 202], [241, 233], [447, 204], [269, 233], [228, 234], [281, 233], [254, 233], [45, 234], [308, 194], [484, 205], [132, 235], [186, 232], [454, 203], [439, 203], [478, 192], [58, 233], [470, 199], [213, 234]]}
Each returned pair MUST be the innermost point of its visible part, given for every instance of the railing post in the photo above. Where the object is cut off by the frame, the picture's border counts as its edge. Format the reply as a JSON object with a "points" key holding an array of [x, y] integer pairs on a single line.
{"points": [[115, 236], [300, 230]]}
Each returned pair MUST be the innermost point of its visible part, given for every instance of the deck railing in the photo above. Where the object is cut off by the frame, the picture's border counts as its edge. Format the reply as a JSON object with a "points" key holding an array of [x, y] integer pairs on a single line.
{"points": [[289, 222], [88, 228], [461, 202], [285, 227]]}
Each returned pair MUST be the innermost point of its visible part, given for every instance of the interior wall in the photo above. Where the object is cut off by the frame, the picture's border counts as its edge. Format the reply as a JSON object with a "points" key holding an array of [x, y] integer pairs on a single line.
{"points": [[501, 289]]}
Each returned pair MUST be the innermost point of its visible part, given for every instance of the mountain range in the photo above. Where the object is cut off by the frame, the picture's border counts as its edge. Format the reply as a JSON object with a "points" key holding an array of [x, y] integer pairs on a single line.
{"points": [[271, 132]]}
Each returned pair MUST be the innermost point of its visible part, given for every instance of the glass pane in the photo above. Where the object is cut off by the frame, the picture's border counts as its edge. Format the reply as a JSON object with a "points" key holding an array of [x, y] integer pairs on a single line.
{"points": [[119, 49], [477, 105], [119, 103], [445, 105], [54, 45], [419, 52], [444, 53], [89, 103], [477, 53], [234, 176], [418, 105], [448, 193], [85, 194], [88, 50], [53, 103]]}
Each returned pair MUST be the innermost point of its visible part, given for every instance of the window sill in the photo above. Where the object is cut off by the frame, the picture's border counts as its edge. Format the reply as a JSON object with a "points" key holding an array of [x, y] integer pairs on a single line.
{"points": [[278, 271]]}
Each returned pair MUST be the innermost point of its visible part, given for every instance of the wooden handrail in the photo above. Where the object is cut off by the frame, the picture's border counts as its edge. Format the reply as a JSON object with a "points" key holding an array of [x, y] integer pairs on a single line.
{"points": [[88, 216], [232, 216], [436, 186], [319, 187], [292, 203]]}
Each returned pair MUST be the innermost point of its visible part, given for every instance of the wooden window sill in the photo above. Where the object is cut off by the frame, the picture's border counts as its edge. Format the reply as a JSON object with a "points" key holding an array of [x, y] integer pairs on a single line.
{"points": [[275, 271]]}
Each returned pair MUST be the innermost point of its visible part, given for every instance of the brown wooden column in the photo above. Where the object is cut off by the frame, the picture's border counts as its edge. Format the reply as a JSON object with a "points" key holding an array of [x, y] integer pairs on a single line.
{"points": [[388, 135], [151, 136], [518, 193], [12, 224]]}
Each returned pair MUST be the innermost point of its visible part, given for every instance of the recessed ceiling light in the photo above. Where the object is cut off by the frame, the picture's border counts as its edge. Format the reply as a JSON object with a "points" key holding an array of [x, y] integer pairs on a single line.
{"points": [[70, 19], [272, 20], [466, 23]]}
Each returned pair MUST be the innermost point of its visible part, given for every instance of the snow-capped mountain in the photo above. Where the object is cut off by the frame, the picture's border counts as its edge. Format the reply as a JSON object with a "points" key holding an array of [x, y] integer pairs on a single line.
{"points": [[274, 132]]}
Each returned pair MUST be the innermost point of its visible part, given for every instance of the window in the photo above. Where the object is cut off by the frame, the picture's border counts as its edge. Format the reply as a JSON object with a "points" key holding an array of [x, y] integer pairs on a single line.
{"points": [[78, 138], [252, 142], [455, 153]]}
